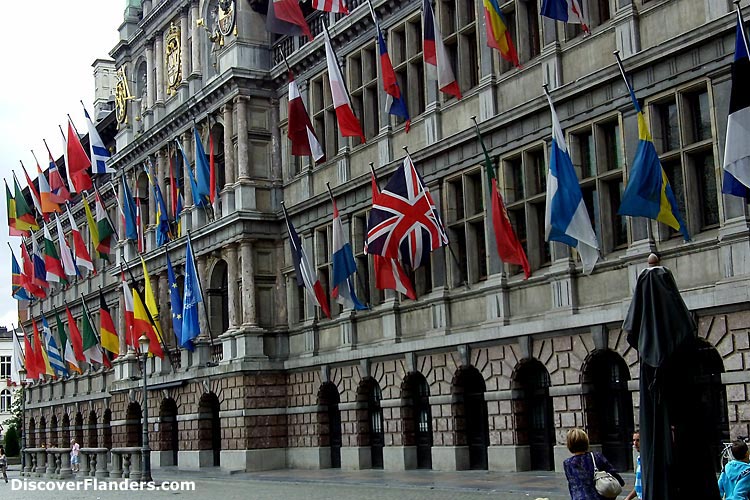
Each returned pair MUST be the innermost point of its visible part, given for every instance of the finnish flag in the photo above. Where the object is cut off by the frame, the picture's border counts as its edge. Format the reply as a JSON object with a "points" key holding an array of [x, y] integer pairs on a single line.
{"points": [[566, 217], [99, 153]]}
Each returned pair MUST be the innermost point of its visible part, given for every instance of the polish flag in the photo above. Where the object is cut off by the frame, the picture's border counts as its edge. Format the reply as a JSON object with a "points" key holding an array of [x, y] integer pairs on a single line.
{"points": [[337, 6], [435, 56], [348, 124], [300, 130], [83, 258]]}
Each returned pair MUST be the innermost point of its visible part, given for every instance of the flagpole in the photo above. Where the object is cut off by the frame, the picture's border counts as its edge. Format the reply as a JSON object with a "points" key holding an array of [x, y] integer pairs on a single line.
{"points": [[742, 24], [15, 336], [96, 335], [73, 124], [48, 150], [283, 55], [200, 288], [374, 16], [23, 330], [35, 158], [336, 57]]}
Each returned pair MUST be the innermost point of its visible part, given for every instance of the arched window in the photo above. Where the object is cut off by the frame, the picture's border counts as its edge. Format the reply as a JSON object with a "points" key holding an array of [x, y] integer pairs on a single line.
{"points": [[218, 297], [533, 413], [6, 401]]}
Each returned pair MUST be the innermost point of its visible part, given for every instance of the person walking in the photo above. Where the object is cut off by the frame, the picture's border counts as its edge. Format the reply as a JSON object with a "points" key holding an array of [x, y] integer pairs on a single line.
{"points": [[75, 459], [638, 488], [3, 464], [734, 482], [579, 469]]}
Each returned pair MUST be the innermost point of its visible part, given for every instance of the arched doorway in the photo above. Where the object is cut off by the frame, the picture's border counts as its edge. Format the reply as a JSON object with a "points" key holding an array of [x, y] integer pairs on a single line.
{"points": [[53, 441], [470, 414], [107, 429], [31, 434], [608, 406], [42, 432], [169, 437], [534, 418], [372, 418], [209, 426], [93, 438], [133, 425], [218, 297], [417, 418], [713, 397], [329, 419], [65, 431], [78, 429]]}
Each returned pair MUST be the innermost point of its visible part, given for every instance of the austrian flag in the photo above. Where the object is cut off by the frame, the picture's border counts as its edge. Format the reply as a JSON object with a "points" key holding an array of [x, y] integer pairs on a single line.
{"points": [[338, 6], [300, 130]]}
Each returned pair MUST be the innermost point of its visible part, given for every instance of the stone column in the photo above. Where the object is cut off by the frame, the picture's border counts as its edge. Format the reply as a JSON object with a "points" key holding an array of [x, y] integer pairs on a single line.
{"points": [[243, 160], [184, 52], [229, 164], [195, 45], [230, 256], [151, 198], [162, 173], [150, 81], [159, 49], [248, 285]]}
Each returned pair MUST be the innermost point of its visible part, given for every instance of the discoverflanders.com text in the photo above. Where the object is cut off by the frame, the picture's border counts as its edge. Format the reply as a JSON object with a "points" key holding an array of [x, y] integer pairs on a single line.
{"points": [[94, 484]]}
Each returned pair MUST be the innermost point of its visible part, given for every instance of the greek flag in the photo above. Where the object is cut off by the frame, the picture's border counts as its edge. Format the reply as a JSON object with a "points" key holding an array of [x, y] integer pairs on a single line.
{"points": [[53, 351], [99, 153]]}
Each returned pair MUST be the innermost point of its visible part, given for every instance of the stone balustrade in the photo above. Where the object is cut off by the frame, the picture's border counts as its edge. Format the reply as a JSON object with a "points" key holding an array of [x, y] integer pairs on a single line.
{"points": [[126, 463], [93, 463]]}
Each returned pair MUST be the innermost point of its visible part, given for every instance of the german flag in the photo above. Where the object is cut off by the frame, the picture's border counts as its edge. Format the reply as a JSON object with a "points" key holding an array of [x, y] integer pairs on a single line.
{"points": [[107, 331]]}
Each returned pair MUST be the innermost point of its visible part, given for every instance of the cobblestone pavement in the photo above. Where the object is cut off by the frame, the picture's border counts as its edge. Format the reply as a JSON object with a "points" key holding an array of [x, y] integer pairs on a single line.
{"points": [[323, 485]]}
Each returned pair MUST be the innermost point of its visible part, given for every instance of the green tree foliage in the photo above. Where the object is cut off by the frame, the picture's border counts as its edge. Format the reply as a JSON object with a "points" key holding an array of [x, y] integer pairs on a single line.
{"points": [[12, 442]]}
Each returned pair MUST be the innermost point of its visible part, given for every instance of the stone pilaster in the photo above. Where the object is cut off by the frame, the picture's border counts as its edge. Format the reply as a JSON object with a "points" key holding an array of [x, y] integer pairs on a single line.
{"points": [[160, 84]]}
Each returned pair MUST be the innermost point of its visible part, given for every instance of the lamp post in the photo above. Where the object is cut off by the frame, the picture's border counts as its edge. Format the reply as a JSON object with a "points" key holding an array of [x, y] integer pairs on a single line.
{"points": [[145, 450], [22, 377]]}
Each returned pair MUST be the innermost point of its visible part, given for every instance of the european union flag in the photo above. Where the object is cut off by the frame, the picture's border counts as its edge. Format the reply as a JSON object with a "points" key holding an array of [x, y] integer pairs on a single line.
{"points": [[190, 328], [175, 302]]}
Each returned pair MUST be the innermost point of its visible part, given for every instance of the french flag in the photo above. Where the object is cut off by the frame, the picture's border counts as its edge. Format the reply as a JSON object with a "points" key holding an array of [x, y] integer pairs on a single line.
{"points": [[338, 6], [395, 104], [305, 273], [567, 11], [299, 129], [435, 56], [344, 265], [348, 124]]}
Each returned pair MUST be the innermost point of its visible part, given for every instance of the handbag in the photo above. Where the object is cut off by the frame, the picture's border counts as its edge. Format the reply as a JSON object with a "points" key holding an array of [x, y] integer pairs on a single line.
{"points": [[605, 483]]}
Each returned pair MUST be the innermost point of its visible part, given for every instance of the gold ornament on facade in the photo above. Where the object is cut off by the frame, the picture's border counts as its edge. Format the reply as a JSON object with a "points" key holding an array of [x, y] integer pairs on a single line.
{"points": [[227, 17], [172, 52], [122, 96]]}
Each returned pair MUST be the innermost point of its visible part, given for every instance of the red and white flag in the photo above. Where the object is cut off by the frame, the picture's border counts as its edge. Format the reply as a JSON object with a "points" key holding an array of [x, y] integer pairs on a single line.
{"points": [[83, 258], [129, 308], [77, 162], [66, 256], [435, 56], [338, 6], [348, 124], [299, 129]]}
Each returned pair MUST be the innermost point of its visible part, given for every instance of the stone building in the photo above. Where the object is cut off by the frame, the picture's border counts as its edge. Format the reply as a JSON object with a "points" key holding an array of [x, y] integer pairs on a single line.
{"points": [[485, 370]]}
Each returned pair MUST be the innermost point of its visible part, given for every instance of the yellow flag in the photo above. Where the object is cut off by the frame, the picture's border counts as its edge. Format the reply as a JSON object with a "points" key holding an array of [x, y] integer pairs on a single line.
{"points": [[91, 222], [148, 293]]}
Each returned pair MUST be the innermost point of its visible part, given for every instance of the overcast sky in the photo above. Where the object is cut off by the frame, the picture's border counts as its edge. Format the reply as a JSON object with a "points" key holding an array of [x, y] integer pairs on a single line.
{"points": [[47, 47]]}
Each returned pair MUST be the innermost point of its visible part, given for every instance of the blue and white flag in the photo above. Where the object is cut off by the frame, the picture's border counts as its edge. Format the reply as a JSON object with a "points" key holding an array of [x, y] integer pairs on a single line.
{"points": [[99, 153], [190, 327], [737, 147], [53, 351], [344, 265], [566, 217]]}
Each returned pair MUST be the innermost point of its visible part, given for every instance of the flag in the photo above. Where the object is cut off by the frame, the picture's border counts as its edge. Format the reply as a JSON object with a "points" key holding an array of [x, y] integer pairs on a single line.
{"points": [[202, 171], [18, 361], [198, 200], [35, 280], [150, 301], [567, 11], [75, 338], [142, 326], [190, 327], [99, 153], [93, 231], [91, 348], [395, 103], [498, 31], [34, 194], [509, 249], [305, 273], [25, 219], [344, 265], [648, 193], [59, 193], [66, 255], [107, 331], [77, 162], [566, 217], [83, 258], [435, 56], [129, 210], [404, 221], [737, 147], [53, 351], [18, 283], [45, 193], [39, 271], [338, 6], [32, 371], [299, 128], [66, 346], [163, 230], [175, 302], [10, 210], [104, 229], [52, 263], [138, 221], [128, 310], [42, 358], [178, 218], [348, 124], [285, 17], [173, 187]]}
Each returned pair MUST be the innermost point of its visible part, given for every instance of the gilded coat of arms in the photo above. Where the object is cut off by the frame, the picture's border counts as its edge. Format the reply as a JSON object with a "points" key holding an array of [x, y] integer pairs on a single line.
{"points": [[174, 68], [122, 96], [227, 17]]}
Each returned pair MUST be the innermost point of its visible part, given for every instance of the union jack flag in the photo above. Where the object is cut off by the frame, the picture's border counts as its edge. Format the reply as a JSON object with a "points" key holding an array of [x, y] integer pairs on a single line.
{"points": [[404, 220]]}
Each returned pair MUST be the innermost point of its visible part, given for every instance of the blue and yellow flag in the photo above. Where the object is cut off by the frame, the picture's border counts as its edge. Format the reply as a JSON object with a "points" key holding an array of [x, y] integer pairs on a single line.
{"points": [[648, 193]]}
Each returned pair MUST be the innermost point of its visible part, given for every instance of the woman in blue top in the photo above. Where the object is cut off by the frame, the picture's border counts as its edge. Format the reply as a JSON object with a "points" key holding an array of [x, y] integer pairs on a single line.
{"points": [[579, 469]]}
